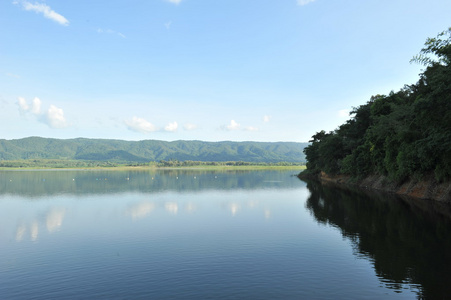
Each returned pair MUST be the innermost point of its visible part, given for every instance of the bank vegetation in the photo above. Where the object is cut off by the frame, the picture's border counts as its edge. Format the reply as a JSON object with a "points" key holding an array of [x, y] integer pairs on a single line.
{"points": [[402, 136]]}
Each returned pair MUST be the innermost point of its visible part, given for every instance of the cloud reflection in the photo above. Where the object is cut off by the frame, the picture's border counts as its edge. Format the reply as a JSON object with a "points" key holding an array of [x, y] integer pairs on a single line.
{"points": [[253, 203], [267, 213], [20, 232], [34, 231], [172, 207], [54, 219], [234, 208], [190, 207], [140, 210]]}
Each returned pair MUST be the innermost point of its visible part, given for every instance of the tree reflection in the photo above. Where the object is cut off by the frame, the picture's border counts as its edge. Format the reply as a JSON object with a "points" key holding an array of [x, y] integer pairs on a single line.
{"points": [[407, 241]]}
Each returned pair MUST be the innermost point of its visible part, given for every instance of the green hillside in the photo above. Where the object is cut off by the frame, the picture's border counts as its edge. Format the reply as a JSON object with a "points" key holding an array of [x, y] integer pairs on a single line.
{"points": [[150, 150]]}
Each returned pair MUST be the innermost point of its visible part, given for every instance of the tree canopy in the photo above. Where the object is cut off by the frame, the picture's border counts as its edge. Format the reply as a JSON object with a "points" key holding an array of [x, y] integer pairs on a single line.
{"points": [[400, 135]]}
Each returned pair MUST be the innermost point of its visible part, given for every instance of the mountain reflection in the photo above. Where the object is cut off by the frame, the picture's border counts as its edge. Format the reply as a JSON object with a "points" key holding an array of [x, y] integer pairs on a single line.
{"points": [[44, 183], [407, 241]]}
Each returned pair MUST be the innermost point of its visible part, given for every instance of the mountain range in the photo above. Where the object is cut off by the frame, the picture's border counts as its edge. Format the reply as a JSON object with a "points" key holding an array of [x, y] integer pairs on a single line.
{"points": [[150, 150]]}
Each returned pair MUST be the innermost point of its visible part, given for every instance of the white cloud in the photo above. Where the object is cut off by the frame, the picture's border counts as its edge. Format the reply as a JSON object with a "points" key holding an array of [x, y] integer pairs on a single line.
{"points": [[343, 113], [168, 24], [36, 106], [189, 126], [55, 117], [174, 1], [140, 125], [43, 9], [171, 127], [266, 118], [23, 105], [304, 2], [233, 125]]}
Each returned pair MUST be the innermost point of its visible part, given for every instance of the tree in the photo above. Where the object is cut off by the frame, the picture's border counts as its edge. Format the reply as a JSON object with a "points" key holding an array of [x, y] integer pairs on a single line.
{"points": [[404, 134], [440, 47]]}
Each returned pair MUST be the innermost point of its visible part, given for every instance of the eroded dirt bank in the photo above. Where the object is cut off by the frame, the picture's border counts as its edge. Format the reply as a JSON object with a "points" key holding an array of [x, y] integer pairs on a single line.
{"points": [[427, 188]]}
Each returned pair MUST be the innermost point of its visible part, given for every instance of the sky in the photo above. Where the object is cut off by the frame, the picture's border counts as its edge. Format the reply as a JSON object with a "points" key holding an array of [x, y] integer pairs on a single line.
{"points": [[235, 70]]}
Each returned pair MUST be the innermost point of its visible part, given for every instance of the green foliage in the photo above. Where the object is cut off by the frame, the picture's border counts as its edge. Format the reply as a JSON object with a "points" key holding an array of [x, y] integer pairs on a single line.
{"points": [[438, 47], [118, 151], [173, 163], [404, 134], [54, 163]]}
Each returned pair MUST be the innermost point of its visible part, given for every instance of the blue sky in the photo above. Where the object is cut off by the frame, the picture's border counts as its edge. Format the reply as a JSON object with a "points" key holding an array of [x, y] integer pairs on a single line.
{"points": [[240, 70]]}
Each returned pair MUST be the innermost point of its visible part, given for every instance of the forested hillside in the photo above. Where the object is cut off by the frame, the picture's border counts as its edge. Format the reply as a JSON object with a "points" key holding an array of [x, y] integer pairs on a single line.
{"points": [[150, 150], [400, 135]]}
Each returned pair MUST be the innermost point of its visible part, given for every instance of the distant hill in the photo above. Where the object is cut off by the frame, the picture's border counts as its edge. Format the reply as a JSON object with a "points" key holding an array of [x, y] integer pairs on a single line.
{"points": [[150, 150]]}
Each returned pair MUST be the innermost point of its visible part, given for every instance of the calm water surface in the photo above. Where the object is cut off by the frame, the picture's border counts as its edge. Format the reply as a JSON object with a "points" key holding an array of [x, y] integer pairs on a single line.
{"points": [[214, 235]]}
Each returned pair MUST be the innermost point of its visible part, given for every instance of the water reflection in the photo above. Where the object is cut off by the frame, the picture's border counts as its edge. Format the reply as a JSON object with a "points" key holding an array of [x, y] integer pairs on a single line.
{"points": [[52, 220], [36, 184], [172, 207], [267, 213], [234, 208], [259, 239], [190, 207], [142, 194], [140, 210], [407, 241], [20, 232], [34, 231]]}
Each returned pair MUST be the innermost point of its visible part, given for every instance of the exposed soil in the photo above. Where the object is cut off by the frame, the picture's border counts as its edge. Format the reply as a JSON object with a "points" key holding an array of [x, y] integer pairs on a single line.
{"points": [[427, 188]]}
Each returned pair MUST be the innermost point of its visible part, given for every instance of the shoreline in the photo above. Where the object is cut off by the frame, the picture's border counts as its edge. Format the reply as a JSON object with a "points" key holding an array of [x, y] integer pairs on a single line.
{"points": [[151, 168], [425, 189]]}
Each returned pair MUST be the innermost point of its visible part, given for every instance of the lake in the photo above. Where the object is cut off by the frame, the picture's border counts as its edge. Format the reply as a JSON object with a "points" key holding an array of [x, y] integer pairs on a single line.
{"points": [[185, 234]]}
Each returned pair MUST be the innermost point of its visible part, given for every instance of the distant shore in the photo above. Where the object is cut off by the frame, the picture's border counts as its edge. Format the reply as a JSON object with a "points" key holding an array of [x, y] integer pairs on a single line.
{"points": [[149, 168]]}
